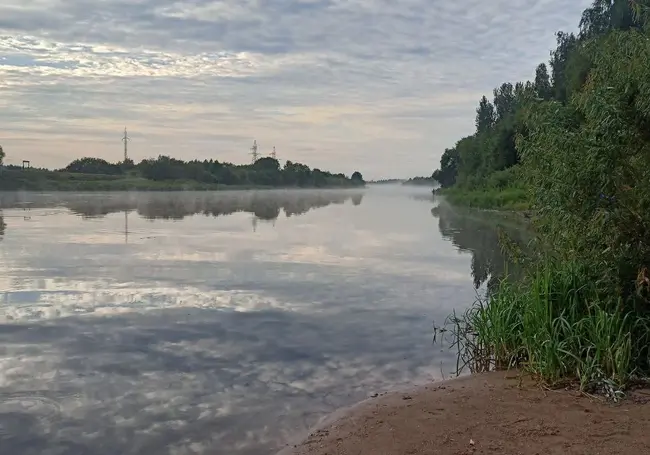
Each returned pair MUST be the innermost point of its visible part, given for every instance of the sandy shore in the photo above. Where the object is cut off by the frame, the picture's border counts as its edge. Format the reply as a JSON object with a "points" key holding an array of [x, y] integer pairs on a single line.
{"points": [[484, 414]]}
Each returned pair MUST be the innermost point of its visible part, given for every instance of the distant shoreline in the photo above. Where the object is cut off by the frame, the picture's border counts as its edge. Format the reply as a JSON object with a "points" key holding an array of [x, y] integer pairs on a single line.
{"points": [[174, 188], [169, 174], [78, 182]]}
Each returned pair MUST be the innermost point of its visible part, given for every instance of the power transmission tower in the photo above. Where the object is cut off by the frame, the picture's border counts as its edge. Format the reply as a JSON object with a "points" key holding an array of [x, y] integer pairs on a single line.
{"points": [[273, 154], [126, 140], [254, 151]]}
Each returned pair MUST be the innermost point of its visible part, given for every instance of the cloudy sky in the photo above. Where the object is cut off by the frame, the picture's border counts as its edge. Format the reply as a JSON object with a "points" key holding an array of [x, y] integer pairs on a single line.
{"points": [[382, 86]]}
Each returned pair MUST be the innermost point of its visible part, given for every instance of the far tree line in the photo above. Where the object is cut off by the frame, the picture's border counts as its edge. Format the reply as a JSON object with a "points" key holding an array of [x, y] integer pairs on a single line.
{"points": [[265, 171]]}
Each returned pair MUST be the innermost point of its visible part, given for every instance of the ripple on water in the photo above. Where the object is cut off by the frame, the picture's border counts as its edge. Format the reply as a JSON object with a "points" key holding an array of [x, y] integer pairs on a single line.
{"points": [[20, 408]]}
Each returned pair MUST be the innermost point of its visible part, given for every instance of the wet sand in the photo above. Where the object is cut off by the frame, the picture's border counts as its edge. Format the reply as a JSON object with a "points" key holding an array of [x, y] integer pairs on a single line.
{"points": [[484, 414]]}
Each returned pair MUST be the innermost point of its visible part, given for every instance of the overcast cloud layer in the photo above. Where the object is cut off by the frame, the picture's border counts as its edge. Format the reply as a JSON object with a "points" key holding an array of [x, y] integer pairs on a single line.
{"points": [[382, 86]]}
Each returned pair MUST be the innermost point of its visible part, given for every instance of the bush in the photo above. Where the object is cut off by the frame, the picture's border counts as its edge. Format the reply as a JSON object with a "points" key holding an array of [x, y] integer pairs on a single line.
{"points": [[489, 198], [586, 163]]}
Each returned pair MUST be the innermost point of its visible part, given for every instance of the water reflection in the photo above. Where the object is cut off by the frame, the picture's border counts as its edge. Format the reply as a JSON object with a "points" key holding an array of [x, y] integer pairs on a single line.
{"points": [[264, 205], [201, 337], [3, 226], [478, 233]]}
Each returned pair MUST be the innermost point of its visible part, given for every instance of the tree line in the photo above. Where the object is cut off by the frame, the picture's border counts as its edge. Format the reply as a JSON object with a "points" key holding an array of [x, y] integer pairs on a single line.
{"points": [[507, 123], [577, 140], [420, 181], [264, 172]]}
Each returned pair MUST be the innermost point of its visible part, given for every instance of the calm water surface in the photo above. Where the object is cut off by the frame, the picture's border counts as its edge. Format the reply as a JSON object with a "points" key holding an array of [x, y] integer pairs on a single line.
{"points": [[220, 323]]}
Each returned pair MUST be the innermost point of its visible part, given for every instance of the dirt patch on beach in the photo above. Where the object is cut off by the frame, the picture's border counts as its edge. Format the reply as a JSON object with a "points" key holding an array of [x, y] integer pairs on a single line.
{"points": [[485, 414]]}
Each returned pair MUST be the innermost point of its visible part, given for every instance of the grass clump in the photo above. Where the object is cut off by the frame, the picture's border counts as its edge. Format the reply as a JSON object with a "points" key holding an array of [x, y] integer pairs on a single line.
{"points": [[502, 190], [511, 199], [557, 326]]}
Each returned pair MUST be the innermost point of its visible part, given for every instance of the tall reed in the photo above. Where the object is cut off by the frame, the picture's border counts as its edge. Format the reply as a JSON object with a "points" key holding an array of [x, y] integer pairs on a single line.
{"points": [[558, 327]]}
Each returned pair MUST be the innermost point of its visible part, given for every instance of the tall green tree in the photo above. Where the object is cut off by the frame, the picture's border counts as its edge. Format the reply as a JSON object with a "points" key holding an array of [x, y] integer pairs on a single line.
{"points": [[485, 116], [504, 100], [448, 171], [566, 43], [93, 166], [500, 151], [2, 155], [471, 160], [606, 15], [543, 85], [267, 164]]}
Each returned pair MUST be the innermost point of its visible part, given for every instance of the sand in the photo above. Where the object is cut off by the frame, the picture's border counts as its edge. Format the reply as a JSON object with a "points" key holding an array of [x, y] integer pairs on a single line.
{"points": [[484, 414]]}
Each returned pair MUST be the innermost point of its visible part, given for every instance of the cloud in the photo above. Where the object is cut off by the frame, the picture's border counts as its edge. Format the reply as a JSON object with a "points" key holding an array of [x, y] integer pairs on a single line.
{"points": [[377, 85]]}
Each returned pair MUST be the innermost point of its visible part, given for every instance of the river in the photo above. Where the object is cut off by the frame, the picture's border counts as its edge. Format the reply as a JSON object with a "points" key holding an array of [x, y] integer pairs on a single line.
{"points": [[221, 323]]}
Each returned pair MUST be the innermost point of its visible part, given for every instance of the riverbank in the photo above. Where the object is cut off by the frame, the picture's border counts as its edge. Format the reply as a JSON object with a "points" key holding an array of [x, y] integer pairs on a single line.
{"points": [[506, 199], [44, 180], [481, 414]]}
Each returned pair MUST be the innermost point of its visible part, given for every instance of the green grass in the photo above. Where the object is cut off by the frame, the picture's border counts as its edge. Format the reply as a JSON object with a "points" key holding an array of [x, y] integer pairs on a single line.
{"points": [[556, 326], [510, 199]]}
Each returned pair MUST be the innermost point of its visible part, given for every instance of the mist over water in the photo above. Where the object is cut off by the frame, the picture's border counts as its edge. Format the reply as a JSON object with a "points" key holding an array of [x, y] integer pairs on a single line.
{"points": [[220, 323]]}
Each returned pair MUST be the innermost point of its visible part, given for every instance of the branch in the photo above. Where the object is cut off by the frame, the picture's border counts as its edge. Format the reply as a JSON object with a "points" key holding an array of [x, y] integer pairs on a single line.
{"points": [[640, 11]]}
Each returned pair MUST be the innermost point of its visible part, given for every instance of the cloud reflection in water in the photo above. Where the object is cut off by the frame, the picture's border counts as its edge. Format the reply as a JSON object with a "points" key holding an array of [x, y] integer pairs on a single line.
{"points": [[202, 336]]}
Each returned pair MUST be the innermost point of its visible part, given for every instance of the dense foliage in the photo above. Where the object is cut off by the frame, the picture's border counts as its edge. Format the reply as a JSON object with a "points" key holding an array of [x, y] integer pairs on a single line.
{"points": [[420, 181], [386, 181], [478, 162], [579, 144], [165, 171], [587, 160], [265, 172]]}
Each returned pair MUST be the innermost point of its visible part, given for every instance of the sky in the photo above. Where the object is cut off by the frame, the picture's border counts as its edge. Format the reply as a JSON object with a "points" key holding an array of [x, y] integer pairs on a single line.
{"points": [[379, 86]]}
